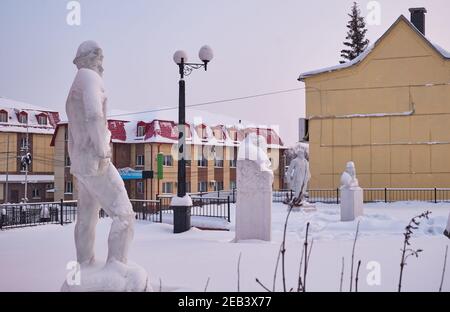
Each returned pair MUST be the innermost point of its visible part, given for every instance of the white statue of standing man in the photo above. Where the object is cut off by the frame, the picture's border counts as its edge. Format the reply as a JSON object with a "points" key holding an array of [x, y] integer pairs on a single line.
{"points": [[98, 181], [298, 176]]}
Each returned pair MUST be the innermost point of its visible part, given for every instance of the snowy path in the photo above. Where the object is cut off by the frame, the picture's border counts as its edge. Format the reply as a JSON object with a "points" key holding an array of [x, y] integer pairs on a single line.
{"points": [[34, 259]]}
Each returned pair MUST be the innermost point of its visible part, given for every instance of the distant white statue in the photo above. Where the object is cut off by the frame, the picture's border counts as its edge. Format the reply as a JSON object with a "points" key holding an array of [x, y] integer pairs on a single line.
{"points": [[98, 182], [298, 176], [254, 187], [352, 196], [348, 178]]}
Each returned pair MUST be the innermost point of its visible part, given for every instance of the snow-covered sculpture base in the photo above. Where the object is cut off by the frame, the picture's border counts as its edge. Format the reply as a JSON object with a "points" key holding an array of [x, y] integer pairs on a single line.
{"points": [[352, 200], [254, 202], [113, 277]]}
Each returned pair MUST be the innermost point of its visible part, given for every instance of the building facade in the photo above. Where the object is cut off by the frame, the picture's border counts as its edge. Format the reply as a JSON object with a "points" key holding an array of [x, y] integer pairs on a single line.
{"points": [[26, 129], [211, 165], [388, 111]]}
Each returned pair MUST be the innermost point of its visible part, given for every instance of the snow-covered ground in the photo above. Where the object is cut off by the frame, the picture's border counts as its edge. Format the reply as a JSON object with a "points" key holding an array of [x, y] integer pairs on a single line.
{"points": [[34, 259]]}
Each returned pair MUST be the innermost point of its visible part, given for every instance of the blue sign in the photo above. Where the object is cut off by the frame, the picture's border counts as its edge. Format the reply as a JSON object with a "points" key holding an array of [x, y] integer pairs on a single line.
{"points": [[130, 174]]}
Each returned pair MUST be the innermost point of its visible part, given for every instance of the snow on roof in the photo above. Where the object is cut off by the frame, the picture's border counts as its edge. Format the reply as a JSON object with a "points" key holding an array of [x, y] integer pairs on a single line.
{"points": [[362, 56], [9, 103], [204, 128], [14, 109]]}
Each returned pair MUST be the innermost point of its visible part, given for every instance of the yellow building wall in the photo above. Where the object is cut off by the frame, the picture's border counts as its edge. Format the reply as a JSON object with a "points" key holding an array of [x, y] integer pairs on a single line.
{"points": [[59, 167], [42, 154], [404, 138], [11, 163]]}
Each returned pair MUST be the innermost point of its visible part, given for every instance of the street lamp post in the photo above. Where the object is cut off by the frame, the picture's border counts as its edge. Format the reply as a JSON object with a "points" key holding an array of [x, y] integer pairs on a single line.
{"points": [[182, 209]]}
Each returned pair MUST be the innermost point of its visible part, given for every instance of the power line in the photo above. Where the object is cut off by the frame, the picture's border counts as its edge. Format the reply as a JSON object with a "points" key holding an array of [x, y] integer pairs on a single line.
{"points": [[213, 102]]}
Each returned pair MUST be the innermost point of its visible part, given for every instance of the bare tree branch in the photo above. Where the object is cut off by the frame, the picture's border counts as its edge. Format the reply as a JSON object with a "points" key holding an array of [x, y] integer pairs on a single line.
{"points": [[353, 256], [443, 270]]}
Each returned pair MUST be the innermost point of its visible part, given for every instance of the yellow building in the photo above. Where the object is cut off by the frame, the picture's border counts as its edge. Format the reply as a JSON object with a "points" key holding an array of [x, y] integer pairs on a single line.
{"points": [[388, 111]]}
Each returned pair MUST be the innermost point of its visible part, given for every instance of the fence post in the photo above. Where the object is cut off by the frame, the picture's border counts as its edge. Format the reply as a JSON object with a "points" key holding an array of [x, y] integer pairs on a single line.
{"points": [[61, 212], [234, 195], [435, 195], [160, 210], [337, 196], [228, 204], [385, 195]]}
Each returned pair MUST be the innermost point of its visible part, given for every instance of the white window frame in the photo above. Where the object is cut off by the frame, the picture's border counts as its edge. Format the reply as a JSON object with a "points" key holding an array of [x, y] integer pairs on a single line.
{"points": [[140, 161], [68, 188], [22, 120], [166, 189], [140, 131], [201, 188], [42, 120], [35, 193], [3, 114], [140, 187], [168, 161]]}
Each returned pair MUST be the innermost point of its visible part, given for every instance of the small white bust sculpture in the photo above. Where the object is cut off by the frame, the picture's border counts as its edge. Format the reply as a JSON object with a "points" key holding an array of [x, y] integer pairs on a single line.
{"points": [[348, 178], [298, 176]]}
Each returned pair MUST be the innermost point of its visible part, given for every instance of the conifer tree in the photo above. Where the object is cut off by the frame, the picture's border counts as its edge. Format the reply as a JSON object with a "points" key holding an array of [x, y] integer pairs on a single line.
{"points": [[356, 36]]}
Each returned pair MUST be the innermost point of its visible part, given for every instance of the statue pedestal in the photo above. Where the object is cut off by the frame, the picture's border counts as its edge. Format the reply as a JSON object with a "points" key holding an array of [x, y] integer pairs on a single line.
{"points": [[352, 200], [112, 277], [254, 202]]}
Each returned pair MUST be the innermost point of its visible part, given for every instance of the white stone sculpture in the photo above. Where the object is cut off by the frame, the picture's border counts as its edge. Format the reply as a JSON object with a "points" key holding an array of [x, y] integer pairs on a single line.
{"points": [[98, 182], [352, 196], [254, 191], [297, 177]]}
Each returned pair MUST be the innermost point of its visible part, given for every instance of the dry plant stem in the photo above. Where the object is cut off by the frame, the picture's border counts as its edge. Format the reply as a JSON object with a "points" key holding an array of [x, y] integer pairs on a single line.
{"points": [[443, 270], [207, 284], [300, 283], [276, 270], [306, 258], [239, 273], [406, 251], [353, 256], [283, 249], [357, 276], [262, 285], [342, 275]]}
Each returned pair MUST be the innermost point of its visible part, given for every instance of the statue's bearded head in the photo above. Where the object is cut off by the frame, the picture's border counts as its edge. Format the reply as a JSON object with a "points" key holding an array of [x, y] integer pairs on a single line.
{"points": [[350, 169], [90, 55]]}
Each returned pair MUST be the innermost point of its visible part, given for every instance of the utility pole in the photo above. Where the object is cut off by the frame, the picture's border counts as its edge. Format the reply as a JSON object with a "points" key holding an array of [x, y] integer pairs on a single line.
{"points": [[26, 160], [7, 172]]}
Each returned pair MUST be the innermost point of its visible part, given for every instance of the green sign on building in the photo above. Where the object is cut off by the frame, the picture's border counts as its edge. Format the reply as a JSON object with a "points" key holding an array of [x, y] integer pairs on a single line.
{"points": [[160, 162]]}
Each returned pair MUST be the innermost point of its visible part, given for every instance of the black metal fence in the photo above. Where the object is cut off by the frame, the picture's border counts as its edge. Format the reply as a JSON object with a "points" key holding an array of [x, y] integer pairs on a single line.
{"points": [[147, 210], [25, 214], [373, 195], [203, 206]]}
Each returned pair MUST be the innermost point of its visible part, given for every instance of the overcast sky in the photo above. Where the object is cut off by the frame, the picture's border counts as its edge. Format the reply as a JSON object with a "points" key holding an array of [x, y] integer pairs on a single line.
{"points": [[260, 46]]}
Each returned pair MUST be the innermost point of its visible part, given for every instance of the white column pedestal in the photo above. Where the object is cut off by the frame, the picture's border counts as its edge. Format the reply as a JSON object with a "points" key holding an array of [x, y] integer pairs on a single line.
{"points": [[352, 200]]}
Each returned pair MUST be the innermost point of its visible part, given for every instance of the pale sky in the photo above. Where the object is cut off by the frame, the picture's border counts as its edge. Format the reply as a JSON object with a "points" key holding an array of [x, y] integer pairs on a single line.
{"points": [[260, 46]]}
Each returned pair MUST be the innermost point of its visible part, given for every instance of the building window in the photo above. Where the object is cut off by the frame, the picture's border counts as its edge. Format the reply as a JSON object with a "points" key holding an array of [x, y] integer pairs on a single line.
{"points": [[35, 193], [141, 131], [232, 185], [140, 187], [233, 163], [23, 118], [218, 186], [203, 187], [49, 186], [69, 187], [3, 117], [140, 161], [23, 143], [188, 163], [168, 160], [68, 163], [167, 188], [203, 162], [188, 187], [218, 163], [42, 120]]}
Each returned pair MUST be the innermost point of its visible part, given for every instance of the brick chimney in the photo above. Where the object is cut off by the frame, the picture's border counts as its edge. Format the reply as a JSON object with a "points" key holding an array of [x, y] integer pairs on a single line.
{"points": [[418, 18]]}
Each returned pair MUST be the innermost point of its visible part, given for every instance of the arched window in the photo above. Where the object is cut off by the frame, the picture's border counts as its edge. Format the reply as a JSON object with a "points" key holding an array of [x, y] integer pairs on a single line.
{"points": [[3, 116]]}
